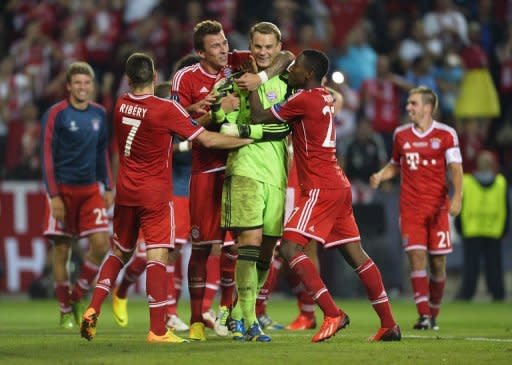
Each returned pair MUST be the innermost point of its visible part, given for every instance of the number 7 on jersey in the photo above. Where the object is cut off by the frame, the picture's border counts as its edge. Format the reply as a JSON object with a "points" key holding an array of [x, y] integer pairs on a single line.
{"points": [[135, 123]]}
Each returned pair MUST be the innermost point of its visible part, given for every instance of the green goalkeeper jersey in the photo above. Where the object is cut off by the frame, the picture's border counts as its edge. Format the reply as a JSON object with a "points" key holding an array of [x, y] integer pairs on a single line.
{"points": [[263, 161]]}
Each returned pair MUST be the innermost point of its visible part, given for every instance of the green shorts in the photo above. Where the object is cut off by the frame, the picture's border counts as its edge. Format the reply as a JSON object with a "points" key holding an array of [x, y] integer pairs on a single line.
{"points": [[250, 204]]}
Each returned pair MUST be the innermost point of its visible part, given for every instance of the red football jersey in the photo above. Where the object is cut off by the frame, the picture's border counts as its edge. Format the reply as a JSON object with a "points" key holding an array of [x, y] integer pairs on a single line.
{"points": [[190, 85], [144, 127], [310, 114], [382, 107], [423, 158]]}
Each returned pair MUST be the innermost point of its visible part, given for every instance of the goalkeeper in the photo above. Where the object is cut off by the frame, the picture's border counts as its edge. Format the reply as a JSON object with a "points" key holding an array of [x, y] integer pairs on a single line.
{"points": [[254, 191]]}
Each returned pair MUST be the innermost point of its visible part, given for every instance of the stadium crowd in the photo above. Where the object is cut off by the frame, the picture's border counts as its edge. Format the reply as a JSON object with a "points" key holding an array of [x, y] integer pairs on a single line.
{"points": [[460, 49]]}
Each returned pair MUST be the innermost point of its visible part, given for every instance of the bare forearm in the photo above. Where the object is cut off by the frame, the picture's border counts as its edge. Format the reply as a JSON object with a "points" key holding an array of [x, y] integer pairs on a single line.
{"points": [[456, 176], [279, 64]]}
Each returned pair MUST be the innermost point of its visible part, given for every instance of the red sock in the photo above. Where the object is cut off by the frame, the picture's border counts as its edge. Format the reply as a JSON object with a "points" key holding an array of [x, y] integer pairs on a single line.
{"points": [[420, 288], [304, 268], [88, 272], [266, 290], [132, 272], [156, 291], [212, 281], [62, 294], [107, 277], [178, 276], [369, 275], [171, 291], [227, 277], [197, 281], [436, 295], [304, 301]]}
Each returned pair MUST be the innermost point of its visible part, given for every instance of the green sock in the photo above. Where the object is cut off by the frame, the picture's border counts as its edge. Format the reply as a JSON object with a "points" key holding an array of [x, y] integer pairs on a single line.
{"points": [[236, 312], [246, 279]]}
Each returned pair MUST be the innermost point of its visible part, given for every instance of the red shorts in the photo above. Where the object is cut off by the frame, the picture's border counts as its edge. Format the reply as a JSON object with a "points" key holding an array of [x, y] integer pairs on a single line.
{"points": [[156, 224], [182, 219], [205, 209], [85, 212], [324, 215], [426, 231]]}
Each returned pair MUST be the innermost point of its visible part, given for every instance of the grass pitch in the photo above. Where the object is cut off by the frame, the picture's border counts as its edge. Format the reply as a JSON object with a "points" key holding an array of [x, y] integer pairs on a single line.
{"points": [[474, 333]]}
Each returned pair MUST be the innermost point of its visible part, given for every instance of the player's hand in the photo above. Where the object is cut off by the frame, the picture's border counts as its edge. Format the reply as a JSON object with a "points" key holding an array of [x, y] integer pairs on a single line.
{"points": [[58, 209], [375, 180], [249, 65], [230, 129], [229, 103], [455, 206], [108, 199], [248, 81], [202, 106]]}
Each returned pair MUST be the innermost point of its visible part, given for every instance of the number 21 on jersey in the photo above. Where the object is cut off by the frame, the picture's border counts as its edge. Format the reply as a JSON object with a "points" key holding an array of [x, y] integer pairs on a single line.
{"points": [[330, 137]]}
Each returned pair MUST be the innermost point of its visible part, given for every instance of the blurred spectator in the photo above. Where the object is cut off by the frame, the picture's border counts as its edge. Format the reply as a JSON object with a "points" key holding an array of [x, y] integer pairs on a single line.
{"points": [[25, 164], [225, 12], [472, 142], [381, 100], [15, 88], [365, 154], [345, 15], [306, 39], [422, 73], [358, 59], [418, 44], [477, 97], [504, 55], [136, 10], [447, 24], [483, 223], [449, 77]]}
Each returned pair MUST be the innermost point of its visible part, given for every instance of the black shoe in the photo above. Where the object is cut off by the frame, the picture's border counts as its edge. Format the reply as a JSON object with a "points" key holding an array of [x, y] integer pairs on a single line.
{"points": [[424, 323]]}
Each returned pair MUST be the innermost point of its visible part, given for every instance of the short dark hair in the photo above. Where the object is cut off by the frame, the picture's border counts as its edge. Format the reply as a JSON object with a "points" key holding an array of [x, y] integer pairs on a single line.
{"points": [[140, 69], [187, 60], [317, 62], [162, 89], [202, 29]]}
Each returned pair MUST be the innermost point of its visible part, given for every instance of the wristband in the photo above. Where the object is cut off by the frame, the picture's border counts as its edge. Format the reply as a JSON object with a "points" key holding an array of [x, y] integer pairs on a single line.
{"points": [[183, 146], [263, 76]]}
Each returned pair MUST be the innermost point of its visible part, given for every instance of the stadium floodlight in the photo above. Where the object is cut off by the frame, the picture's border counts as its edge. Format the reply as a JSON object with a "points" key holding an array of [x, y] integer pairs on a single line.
{"points": [[337, 77]]}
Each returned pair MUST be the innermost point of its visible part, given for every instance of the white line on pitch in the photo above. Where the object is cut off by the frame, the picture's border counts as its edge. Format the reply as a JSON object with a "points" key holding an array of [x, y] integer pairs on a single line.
{"points": [[485, 339]]}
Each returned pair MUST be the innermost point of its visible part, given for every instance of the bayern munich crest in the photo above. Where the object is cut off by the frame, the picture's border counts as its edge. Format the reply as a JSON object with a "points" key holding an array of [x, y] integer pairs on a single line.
{"points": [[435, 143], [194, 232], [95, 124]]}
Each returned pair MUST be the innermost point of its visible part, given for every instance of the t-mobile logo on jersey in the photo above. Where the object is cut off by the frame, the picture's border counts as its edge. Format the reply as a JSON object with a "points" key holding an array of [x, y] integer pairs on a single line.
{"points": [[413, 160]]}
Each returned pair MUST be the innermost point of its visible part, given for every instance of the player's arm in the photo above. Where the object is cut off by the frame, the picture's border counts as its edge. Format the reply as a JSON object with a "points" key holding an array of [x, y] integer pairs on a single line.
{"points": [[258, 114], [49, 138], [216, 140], [387, 172], [103, 171], [227, 104], [456, 177], [251, 81]]}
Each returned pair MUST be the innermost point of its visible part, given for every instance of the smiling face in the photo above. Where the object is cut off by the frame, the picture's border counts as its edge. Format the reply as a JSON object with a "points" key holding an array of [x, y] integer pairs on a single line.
{"points": [[215, 53], [264, 48], [417, 109], [80, 88]]}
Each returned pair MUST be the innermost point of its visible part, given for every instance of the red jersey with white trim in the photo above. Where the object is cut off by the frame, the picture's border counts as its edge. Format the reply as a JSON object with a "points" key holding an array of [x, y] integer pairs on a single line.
{"points": [[310, 114], [190, 85], [423, 158], [144, 127]]}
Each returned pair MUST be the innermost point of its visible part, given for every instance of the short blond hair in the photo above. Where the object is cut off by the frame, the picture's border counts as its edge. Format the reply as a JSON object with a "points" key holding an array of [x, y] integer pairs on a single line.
{"points": [[428, 96], [79, 68], [265, 28]]}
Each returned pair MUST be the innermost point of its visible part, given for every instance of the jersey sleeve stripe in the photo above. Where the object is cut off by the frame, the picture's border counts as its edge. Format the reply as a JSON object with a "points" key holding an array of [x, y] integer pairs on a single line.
{"points": [[108, 183], [198, 132], [276, 114], [48, 166]]}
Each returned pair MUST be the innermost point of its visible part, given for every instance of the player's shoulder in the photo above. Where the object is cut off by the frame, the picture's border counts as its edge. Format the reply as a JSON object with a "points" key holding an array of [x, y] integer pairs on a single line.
{"points": [[444, 128], [188, 73], [97, 107], [169, 103], [55, 109], [403, 129]]}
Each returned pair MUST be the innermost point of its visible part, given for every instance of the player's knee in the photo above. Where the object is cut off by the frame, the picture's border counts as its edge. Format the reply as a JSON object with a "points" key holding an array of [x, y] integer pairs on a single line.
{"points": [[287, 250]]}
